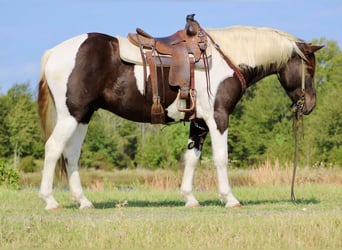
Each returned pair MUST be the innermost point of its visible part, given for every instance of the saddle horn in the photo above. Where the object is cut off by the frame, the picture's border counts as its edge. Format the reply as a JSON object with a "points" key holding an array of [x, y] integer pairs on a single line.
{"points": [[192, 26]]}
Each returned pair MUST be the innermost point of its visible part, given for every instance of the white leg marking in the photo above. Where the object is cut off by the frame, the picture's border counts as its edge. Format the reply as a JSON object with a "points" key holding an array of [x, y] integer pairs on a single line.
{"points": [[53, 150], [220, 157], [72, 154], [191, 158]]}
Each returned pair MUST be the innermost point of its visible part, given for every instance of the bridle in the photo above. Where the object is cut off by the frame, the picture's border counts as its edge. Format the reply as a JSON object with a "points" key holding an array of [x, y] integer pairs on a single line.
{"points": [[297, 118], [299, 105]]}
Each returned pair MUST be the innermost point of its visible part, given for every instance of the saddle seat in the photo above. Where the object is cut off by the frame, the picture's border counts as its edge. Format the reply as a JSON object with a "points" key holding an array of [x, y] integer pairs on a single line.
{"points": [[163, 45]]}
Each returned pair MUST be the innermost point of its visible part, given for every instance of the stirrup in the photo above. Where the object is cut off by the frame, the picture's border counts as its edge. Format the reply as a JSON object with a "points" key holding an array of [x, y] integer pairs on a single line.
{"points": [[192, 93]]}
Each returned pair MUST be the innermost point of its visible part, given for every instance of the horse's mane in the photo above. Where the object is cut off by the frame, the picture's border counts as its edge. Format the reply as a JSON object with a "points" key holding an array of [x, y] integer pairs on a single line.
{"points": [[256, 46]]}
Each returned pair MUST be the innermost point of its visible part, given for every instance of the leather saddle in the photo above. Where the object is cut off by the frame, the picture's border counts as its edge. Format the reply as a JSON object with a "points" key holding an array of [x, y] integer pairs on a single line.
{"points": [[180, 52]]}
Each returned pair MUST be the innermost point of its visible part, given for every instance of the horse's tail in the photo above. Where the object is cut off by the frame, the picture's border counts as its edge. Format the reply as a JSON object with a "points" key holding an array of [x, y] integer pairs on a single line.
{"points": [[46, 108]]}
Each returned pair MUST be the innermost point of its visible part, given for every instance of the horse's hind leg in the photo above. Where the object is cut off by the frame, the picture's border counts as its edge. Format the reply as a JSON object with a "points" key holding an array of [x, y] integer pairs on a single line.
{"points": [[71, 155], [54, 147]]}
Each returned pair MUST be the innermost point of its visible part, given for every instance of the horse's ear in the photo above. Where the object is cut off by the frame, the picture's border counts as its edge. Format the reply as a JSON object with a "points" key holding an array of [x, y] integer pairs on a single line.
{"points": [[309, 48], [314, 48]]}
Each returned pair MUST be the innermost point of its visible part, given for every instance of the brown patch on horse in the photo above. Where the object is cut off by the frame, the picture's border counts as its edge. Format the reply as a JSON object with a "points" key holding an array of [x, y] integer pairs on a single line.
{"points": [[228, 94], [100, 79]]}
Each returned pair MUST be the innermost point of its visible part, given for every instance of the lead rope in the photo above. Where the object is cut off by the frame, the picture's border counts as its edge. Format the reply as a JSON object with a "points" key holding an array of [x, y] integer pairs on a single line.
{"points": [[298, 116]]}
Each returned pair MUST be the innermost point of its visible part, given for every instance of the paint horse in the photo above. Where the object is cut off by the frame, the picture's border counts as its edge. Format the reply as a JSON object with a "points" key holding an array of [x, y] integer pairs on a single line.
{"points": [[86, 73]]}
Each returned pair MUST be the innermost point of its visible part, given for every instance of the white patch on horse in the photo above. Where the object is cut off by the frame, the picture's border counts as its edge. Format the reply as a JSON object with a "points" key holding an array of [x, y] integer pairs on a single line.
{"points": [[59, 67], [191, 158], [218, 72], [139, 77], [172, 110], [220, 157], [72, 153]]}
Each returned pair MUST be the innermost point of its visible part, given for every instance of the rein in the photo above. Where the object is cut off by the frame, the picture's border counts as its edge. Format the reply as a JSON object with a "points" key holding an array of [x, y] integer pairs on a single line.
{"points": [[297, 118]]}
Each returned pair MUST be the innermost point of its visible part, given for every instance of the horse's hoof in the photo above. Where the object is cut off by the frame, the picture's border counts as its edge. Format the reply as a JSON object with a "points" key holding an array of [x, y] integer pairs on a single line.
{"points": [[238, 205], [192, 204], [91, 206], [53, 208]]}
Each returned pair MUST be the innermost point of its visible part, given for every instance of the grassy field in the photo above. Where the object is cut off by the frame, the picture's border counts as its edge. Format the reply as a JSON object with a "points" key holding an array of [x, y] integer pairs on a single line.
{"points": [[148, 214]]}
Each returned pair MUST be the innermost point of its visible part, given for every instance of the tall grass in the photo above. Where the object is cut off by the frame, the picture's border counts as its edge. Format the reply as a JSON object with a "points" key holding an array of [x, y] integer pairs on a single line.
{"points": [[265, 174]]}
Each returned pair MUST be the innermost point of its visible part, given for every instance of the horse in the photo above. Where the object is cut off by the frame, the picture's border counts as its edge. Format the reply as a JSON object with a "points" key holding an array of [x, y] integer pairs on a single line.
{"points": [[86, 73]]}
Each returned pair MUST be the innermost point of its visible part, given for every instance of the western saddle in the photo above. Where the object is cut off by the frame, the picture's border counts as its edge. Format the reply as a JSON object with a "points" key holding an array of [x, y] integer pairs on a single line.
{"points": [[179, 52]]}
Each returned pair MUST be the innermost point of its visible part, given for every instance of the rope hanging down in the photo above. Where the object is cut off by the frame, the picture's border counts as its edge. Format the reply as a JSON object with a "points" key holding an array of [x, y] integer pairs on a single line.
{"points": [[297, 118]]}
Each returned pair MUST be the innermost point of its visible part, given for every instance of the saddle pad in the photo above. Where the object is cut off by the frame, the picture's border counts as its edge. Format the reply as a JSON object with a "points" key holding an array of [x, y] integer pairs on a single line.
{"points": [[128, 51], [131, 53]]}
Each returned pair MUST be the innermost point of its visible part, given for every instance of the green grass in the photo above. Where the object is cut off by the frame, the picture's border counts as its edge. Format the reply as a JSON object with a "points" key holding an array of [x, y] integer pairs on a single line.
{"points": [[141, 217]]}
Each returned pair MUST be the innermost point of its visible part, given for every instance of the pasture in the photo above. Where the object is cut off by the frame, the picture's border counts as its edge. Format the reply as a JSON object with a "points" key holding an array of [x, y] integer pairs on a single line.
{"points": [[145, 212]]}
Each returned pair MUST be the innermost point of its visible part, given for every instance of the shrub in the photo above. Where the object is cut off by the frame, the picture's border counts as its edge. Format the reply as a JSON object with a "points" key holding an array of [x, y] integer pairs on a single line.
{"points": [[8, 175], [27, 164]]}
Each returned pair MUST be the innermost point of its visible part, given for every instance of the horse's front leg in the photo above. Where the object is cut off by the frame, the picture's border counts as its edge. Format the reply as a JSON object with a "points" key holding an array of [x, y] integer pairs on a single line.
{"points": [[220, 156], [198, 132]]}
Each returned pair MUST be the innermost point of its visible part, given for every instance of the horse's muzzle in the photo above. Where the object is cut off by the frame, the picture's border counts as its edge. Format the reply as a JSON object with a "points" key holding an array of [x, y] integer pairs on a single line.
{"points": [[309, 104]]}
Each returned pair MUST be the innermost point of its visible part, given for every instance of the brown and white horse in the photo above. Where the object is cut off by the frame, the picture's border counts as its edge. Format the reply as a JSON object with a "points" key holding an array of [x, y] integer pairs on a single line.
{"points": [[86, 73]]}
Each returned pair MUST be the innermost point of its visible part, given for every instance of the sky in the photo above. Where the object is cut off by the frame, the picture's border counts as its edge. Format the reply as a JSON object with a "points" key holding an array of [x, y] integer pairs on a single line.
{"points": [[29, 27]]}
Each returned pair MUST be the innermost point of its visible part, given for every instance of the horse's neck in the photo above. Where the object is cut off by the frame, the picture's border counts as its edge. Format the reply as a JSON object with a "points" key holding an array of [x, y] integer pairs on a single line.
{"points": [[255, 74]]}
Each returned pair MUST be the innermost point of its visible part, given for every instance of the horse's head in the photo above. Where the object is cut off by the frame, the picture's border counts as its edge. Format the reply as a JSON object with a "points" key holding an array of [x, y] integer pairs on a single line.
{"points": [[297, 77]]}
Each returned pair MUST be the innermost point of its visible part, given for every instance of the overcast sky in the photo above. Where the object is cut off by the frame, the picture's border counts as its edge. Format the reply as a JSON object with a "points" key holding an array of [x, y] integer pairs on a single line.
{"points": [[29, 27]]}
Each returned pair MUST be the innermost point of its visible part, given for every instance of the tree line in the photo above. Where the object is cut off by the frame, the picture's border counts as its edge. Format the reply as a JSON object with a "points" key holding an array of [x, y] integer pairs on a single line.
{"points": [[260, 128]]}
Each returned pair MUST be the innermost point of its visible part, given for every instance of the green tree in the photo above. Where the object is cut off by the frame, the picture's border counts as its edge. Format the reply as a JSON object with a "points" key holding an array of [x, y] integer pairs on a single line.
{"points": [[112, 140], [163, 146], [262, 126], [21, 123], [324, 133], [19, 127], [5, 150]]}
